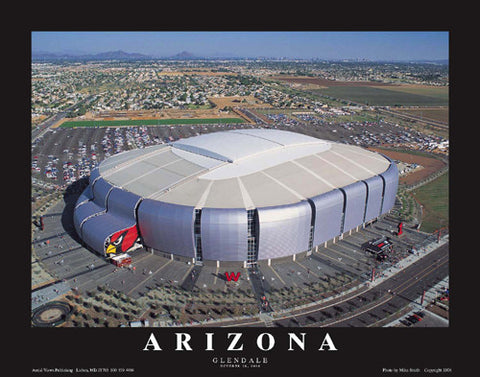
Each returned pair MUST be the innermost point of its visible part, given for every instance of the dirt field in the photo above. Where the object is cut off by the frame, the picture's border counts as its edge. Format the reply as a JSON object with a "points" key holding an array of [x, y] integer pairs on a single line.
{"points": [[430, 165], [159, 114], [220, 102], [439, 114], [38, 119], [155, 114], [328, 83]]}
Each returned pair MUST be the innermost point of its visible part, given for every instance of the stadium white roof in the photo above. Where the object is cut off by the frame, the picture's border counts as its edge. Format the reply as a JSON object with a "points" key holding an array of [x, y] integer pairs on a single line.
{"points": [[241, 169], [235, 145]]}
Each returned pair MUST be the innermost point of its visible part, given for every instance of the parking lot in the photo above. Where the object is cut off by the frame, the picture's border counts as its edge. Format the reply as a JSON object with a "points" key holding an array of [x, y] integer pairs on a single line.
{"points": [[361, 133], [422, 318]]}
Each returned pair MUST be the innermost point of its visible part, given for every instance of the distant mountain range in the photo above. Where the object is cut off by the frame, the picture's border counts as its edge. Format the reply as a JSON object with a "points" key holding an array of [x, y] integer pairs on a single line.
{"points": [[184, 55], [439, 61], [109, 55]]}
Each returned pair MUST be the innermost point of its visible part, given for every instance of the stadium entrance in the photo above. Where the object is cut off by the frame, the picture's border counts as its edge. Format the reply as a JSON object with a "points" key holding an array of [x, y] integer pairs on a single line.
{"points": [[252, 251], [198, 238]]}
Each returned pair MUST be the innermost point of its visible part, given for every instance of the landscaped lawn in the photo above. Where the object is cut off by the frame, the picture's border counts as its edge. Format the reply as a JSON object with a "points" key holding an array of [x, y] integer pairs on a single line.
{"points": [[434, 198]]}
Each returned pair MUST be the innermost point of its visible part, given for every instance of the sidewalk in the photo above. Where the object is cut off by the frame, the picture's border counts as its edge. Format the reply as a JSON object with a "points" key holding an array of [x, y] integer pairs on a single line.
{"points": [[420, 253], [49, 293]]}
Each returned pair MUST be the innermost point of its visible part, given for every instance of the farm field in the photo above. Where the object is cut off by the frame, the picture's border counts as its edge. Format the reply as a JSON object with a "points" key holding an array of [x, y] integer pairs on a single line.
{"points": [[324, 83], [439, 114], [388, 95], [440, 92], [372, 93]]}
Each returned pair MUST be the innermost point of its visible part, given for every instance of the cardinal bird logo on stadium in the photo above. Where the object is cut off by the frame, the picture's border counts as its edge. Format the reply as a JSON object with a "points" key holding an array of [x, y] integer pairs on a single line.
{"points": [[121, 241]]}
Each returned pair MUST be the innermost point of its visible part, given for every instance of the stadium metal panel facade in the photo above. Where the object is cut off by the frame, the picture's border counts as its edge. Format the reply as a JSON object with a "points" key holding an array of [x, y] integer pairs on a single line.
{"points": [[242, 196]]}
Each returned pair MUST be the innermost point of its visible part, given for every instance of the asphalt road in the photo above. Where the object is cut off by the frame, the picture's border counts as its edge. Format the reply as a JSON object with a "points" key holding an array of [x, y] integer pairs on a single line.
{"points": [[405, 287], [42, 127], [370, 306]]}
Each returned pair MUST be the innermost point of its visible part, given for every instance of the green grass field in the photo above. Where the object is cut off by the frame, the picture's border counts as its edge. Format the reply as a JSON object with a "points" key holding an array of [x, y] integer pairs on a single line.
{"points": [[146, 122], [434, 198], [389, 96]]}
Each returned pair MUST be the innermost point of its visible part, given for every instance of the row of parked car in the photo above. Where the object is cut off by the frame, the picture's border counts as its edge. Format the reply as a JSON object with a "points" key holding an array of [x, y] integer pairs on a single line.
{"points": [[413, 318]]}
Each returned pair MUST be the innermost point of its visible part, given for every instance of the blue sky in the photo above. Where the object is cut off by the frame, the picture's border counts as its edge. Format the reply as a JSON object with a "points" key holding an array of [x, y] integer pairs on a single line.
{"points": [[377, 45]]}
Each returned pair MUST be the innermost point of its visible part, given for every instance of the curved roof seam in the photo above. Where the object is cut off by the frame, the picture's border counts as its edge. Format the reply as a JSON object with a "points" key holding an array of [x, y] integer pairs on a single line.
{"points": [[336, 167], [257, 136], [353, 162], [299, 196], [204, 197], [202, 152], [247, 200], [131, 162], [313, 174], [150, 172], [354, 149]]}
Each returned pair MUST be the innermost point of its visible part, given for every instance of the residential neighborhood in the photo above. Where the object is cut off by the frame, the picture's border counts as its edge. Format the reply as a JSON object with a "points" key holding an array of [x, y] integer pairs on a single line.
{"points": [[117, 86]]}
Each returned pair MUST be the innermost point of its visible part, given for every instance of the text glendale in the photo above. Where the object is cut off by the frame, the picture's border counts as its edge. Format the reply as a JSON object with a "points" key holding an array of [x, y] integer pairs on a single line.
{"points": [[265, 342]]}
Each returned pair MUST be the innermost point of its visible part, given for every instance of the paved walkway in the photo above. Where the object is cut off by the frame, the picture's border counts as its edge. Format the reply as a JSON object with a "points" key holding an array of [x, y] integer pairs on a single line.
{"points": [[50, 292], [420, 253]]}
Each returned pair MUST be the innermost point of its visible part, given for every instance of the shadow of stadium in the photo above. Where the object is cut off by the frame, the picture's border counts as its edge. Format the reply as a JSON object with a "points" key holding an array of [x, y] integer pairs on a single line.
{"points": [[70, 197]]}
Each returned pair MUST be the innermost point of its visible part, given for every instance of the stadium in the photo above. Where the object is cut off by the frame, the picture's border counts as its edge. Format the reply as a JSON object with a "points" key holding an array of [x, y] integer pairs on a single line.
{"points": [[240, 196]]}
